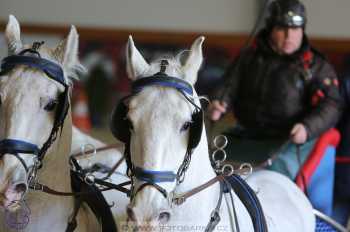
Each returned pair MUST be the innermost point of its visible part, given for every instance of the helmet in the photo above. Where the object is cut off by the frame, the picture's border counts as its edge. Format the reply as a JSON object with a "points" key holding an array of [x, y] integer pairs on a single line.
{"points": [[287, 13]]}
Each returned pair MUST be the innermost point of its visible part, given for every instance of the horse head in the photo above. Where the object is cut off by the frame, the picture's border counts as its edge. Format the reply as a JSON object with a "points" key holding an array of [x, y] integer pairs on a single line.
{"points": [[34, 86], [163, 125]]}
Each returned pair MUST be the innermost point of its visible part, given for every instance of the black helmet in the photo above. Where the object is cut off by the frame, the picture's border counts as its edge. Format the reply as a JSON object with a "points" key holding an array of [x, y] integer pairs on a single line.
{"points": [[287, 13]]}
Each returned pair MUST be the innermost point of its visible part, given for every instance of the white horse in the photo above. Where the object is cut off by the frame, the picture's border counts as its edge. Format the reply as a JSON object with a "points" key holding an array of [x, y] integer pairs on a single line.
{"points": [[28, 106], [160, 117]]}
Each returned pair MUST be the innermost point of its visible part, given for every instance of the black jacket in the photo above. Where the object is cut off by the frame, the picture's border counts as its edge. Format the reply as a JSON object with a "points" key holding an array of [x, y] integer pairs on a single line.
{"points": [[269, 92]]}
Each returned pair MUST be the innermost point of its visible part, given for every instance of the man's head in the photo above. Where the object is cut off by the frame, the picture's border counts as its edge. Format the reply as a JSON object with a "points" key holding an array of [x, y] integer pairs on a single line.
{"points": [[286, 24]]}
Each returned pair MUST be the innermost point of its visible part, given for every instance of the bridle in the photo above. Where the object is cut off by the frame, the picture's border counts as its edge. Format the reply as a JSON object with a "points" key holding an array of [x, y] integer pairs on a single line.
{"points": [[151, 177], [32, 58]]}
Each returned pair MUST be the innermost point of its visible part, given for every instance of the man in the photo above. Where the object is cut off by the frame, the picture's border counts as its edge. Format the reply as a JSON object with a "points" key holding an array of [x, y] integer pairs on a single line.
{"points": [[279, 88]]}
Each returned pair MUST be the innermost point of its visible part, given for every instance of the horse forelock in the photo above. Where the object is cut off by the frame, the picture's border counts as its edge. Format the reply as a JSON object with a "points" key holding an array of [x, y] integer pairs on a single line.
{"points": [[172, 69], [164, 101]]}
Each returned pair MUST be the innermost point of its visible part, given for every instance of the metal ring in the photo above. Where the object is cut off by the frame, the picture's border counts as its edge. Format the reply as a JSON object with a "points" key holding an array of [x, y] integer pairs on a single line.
{"points": [[227, 170], [84, 150], [216, 141], [89, 179], [246, 165], [213, 156], [87, 145]]}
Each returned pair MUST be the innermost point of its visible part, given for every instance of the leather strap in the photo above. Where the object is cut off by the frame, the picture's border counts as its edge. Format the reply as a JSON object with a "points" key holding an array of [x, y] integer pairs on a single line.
{"points": [[250, 201], [111, 146], [154, 176], [156, 186], [162, 79], [183, 197], [51, 69]]}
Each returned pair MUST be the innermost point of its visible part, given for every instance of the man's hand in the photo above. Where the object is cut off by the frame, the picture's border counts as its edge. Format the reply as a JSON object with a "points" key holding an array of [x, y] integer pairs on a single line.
{"points": [[298, 134], [216, 109]]}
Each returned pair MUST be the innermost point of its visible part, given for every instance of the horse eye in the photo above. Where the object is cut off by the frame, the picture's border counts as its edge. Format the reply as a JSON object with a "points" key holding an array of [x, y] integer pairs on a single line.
{"points": [[185, 126], [51, 105]]}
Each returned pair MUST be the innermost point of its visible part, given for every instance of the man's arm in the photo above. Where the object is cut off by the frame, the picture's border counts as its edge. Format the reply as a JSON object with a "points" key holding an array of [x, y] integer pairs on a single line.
{"points": [[224, 95], [326, 102]]}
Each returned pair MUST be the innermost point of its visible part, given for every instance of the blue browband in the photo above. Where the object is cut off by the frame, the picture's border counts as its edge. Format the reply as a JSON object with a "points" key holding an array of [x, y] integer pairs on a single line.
{"points": [[164, 80], [17, 146], [51, 69]]}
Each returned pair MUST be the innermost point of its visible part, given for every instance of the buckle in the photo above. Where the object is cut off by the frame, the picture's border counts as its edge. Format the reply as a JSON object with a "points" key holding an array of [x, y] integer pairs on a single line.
{"points": [[36, 186], [89, 179]]}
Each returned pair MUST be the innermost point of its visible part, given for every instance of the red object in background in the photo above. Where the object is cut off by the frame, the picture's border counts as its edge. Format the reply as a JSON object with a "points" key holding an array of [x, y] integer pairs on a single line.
{"points": [[329, 138], [80, 112]]}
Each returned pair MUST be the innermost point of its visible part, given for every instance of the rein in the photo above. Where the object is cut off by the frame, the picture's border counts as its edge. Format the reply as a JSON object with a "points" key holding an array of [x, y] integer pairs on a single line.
{"points": [[181, 198], [86, 177], [104, 148]]}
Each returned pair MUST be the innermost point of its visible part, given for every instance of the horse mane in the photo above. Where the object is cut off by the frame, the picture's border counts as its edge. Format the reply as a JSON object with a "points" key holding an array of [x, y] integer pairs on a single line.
{"points": [[73, 71]]}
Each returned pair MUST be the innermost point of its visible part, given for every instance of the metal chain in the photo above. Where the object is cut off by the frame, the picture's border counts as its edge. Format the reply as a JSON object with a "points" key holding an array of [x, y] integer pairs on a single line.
{"points": [[180, 176], [33, 174]]}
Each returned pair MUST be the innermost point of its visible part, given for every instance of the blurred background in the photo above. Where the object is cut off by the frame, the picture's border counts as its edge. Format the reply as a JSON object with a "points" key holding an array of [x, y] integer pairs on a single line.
{"points": [[158, 26]]}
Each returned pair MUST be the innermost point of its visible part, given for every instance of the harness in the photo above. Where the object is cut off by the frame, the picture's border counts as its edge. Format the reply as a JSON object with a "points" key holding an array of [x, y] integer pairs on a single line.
{"points": [[93, 198]]}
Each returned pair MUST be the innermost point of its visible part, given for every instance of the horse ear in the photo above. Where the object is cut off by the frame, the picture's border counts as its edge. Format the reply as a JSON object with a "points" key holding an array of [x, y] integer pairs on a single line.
{"points": [[13, 36], [194, 60], [66, 51], [135, 63]]}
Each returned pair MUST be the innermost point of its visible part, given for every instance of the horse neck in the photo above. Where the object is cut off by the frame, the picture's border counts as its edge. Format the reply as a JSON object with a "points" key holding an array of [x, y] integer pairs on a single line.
{"points": [[56, 171]]}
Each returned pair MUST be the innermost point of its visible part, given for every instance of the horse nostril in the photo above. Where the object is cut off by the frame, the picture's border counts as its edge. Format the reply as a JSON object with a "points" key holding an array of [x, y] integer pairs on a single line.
{"points": [[164, 217], [21, 187]]}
